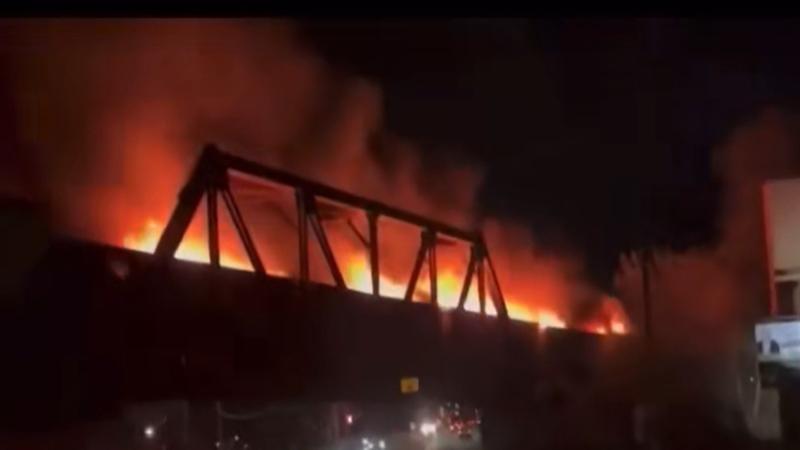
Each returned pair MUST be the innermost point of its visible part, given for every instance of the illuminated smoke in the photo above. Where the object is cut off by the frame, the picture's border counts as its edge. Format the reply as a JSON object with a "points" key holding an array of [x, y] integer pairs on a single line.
{"points": [[114, 113], [705, 300]]}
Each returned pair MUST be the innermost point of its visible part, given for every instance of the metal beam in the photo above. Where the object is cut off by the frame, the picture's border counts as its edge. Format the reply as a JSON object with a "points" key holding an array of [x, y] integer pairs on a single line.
{"points": [[481, 284], [412, 282], [322, 239], [432, 272], [498, 300], [462, 299], [321, 190], [374, 263], [364, 241], [188, 200], [213, 229], [302, 234], [241, 228]]}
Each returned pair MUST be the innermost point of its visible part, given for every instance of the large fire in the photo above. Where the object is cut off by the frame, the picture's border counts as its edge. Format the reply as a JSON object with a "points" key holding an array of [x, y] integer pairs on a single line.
{"points": [[357, 276], [135, 106], [191, 249]]}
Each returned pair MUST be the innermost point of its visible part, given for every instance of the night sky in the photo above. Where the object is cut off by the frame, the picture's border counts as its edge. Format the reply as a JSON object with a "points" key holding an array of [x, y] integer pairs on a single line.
{"points": [[596, 132]]}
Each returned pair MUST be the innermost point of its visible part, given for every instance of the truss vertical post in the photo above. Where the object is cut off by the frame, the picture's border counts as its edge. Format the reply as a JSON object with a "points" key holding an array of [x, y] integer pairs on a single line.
{"points": [[480, 265], [213, 229], [433, 274], [374, 263], [302, 234]]}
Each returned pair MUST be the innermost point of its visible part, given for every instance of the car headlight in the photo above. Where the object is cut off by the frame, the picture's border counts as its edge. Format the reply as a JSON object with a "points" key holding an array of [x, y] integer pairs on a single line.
{"points": [[427, 428]]}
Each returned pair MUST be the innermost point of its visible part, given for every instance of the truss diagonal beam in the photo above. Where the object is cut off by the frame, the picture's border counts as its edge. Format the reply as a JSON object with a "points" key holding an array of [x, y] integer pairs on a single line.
{"points": [[316, 224], [244, 234]]}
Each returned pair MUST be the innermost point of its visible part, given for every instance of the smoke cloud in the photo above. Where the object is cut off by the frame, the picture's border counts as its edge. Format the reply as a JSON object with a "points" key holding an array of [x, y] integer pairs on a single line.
{"points": [[705, 301], [111, 115]]}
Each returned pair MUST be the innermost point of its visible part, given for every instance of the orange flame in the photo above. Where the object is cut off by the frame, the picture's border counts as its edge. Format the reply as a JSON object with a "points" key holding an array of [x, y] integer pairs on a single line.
{"points": [[548, 319], [153, 114], [619, 327], [191, 249], [357, 277], [616, 325]]}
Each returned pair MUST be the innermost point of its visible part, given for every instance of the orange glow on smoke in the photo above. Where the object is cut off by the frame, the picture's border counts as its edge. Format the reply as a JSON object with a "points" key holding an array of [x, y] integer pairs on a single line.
{"points": [[357, 276], [146, 93]]}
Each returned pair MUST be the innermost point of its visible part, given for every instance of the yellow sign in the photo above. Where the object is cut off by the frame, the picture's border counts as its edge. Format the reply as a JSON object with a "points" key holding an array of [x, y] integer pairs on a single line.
{"points": [[409, 385]]}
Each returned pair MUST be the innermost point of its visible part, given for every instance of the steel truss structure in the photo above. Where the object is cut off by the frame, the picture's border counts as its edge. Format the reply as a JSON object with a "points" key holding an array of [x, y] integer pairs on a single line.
{"points": [[211, 178]]}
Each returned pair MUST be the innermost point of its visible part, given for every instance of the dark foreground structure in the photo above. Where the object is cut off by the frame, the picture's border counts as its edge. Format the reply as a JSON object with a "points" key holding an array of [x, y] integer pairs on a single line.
{"points": [[90, 329]]}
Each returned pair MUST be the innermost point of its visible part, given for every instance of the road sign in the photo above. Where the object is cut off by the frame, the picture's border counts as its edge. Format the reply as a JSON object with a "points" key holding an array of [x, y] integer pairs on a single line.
{"points": [[409, 385]]}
